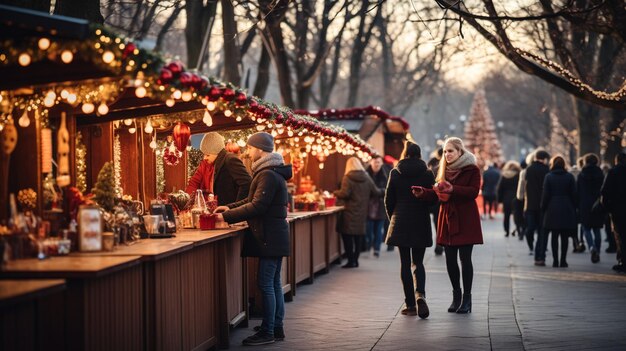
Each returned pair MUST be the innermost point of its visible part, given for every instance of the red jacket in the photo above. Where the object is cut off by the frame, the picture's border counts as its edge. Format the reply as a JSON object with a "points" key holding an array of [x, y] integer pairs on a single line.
{"points": [[459, 221]]}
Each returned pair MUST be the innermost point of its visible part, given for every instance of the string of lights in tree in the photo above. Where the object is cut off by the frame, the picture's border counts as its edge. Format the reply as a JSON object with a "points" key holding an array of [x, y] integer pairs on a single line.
{"points": [[614, 96], [81, 163], [356, 113]]}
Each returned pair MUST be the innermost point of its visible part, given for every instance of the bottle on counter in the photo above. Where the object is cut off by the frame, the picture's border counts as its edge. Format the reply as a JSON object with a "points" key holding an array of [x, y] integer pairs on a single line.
{"points": [[198, 208]]}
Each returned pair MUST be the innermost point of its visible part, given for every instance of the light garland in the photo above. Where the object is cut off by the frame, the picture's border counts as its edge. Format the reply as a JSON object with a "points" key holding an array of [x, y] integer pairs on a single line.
{"points": [[117, 166], [160, 169], [81, 163]]}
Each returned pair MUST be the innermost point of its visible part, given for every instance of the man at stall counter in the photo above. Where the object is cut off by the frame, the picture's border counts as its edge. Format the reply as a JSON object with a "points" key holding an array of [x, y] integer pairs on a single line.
{"points": [[265, 210], [220, 172]]}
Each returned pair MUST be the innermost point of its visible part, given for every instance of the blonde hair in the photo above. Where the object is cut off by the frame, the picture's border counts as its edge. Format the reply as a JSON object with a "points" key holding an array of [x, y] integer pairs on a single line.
{"points": [[512, 165], [353, 164], [457, 143]]}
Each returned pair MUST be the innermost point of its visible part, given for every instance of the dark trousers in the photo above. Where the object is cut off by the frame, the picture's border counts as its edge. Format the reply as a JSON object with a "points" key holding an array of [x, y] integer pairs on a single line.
{"points": [[610, 237], [352, 244], [619, 229], [564, 235], [452, 265], [533, 223], [489, 204], [518, 217], [414, 255]]}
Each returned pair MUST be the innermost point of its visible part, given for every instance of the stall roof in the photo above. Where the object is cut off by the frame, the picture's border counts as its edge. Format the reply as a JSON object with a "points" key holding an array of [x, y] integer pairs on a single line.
{"points": [[355, 119]]}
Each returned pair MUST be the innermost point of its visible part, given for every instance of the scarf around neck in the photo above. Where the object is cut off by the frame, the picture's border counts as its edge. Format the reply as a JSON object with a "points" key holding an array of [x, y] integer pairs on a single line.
{"points": [[270, 160], [454, 169]]}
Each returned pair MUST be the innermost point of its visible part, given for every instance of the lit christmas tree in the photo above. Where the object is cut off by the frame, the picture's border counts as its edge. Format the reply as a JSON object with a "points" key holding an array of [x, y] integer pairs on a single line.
{"points": [[480, 133], [104, 190]]}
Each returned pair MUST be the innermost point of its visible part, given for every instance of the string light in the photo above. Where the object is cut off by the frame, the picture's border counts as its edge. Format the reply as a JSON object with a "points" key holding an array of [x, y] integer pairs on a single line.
{"points": [[88, 108], [128, 121], [170, 102], [177, 94], [141, 92], [43, 43], [71, 98], [210, 105], [148, 128], [207, 119], [103, 109], [67, 56], [108, 57], [24, 59], [186, 96]]}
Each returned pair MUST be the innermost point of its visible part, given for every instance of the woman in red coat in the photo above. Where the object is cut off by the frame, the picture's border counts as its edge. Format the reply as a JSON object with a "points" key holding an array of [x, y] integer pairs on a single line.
{"points": [[458, 225]]}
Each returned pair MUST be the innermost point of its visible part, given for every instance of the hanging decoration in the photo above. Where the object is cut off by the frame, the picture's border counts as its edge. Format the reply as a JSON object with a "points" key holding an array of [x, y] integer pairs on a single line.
{"points": [[171, 155], [63, 150], [117, 166], [81, 163], [46, 150], [181, 135]]}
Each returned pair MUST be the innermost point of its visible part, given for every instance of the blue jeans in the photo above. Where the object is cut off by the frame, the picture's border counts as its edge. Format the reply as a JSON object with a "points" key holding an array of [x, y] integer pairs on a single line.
{"points": [[594, 243], [533, 223], [272, 290], [374, 234]]}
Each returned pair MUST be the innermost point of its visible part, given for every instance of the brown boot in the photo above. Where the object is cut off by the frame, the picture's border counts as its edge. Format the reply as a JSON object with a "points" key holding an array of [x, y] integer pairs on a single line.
{"points": [[422, 307]]}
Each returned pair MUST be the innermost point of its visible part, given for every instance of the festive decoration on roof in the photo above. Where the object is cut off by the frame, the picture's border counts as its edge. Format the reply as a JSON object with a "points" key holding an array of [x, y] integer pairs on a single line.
{"points": [[356, 113], [480, 132], [150, 76]]}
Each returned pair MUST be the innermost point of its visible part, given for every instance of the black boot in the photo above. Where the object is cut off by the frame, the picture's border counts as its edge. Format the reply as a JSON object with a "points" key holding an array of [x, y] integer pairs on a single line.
{"points": [[466, 305], [456, 301]]}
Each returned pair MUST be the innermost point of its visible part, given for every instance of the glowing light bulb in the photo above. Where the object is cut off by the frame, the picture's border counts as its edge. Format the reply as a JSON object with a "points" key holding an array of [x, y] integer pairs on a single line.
{"points": [[228, 113], [148, 129], [128, 121], [260, 127], [238, 119], [322, 165], [153, 144], [132, 130], [43, 43], [177, 94], [207, 119], [48, 102], [71, 98], [88, 108], [241, 143], [141, 92], [103, 109], [274, 134], [108, 57], [51, 95], [65, 94], [170, 102], [290, 133], [24, 121], [67, 56], [24, 59], [186, 96], [1, 127], [210, 105]]}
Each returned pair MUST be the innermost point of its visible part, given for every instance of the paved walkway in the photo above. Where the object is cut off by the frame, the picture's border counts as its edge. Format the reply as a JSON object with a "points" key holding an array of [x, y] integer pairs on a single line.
{"points": [[516, 306]]}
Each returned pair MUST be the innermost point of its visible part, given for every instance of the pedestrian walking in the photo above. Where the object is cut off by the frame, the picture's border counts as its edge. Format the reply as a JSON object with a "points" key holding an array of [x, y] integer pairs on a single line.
{"points": [[265, 210], [558, 207], [433, 165], [491, 177], [535, 174], [376, 206], [506, 190], [589, 183], [614, 201], [521, 192], [458, 225], [409, 227], [578, 241], [357, 188]]}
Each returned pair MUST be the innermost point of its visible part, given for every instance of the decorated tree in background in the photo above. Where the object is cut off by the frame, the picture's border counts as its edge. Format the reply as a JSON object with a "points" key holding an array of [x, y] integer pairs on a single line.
{"points": [[561, 142], [480, 133], [104, 190]]}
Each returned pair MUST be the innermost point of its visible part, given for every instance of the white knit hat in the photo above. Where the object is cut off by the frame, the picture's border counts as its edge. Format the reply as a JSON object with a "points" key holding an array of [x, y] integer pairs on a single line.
{"points": [[212, 143]]}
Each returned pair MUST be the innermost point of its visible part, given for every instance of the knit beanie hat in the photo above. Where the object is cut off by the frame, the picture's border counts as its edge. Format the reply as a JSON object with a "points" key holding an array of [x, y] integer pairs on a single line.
{"points": [[212, 143], [262, 140]]}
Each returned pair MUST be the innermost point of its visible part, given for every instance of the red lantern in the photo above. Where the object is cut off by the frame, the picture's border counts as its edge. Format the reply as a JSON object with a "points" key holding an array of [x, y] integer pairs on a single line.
{"points": [[181, 136]]}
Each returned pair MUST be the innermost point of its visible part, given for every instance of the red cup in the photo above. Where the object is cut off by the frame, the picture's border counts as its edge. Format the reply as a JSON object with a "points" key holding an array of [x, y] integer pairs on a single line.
{"points": [[207, 221]]}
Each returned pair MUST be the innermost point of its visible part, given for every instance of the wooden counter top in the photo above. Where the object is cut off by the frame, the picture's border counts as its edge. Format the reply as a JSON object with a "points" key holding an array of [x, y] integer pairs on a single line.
{"points": [[148, 249], [292, 216], [14, 291], [201, 237], [67, 267]]}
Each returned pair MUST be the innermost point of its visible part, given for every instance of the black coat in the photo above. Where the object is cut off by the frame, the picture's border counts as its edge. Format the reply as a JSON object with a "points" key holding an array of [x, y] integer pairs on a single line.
{"points": [[376, 207], [614, 191], [265, 210], [409, 216], [535, 174], [507, 187], [589, 183], [490, 182], [558, 201], [357, 188]]}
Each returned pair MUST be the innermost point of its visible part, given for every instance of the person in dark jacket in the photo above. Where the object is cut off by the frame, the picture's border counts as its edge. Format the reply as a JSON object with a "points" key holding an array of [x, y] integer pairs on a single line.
{"points": [[409, 227], [433, 165], [558, 206], [221, 173], [533, 178], [265, 210], [589, 183], [507, 188], [458, 225], [357, 188], [491, 176], [376, 207], [614, 201]]}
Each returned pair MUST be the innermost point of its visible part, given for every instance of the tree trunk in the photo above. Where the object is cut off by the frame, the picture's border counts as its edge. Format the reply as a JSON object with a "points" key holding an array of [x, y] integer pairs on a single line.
{"points": [[263, 77], [198, 17], [615, 128], [232, 60], [166, 27], [86, 9], [587, 116]]}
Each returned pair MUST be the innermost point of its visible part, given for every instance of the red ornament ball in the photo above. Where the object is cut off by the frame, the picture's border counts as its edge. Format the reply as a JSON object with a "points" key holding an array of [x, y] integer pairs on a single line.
{"points": [[228, 95], [165, 76], [176, 67], [128, 50], [186, 79], [215, 93]]}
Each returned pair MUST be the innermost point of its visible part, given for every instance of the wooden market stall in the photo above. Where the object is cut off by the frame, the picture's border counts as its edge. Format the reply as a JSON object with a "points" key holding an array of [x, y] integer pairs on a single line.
{"points": [[78, 99]]}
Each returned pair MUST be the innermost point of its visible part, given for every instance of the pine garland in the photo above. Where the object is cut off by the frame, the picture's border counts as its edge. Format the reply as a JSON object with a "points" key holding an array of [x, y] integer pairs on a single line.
{"points": [[160, 168], [81, 163], [194, 157]]}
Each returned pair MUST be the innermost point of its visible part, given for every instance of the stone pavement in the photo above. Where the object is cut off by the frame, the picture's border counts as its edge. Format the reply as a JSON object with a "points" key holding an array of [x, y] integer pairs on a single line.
{"points": [[516, 306]]}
